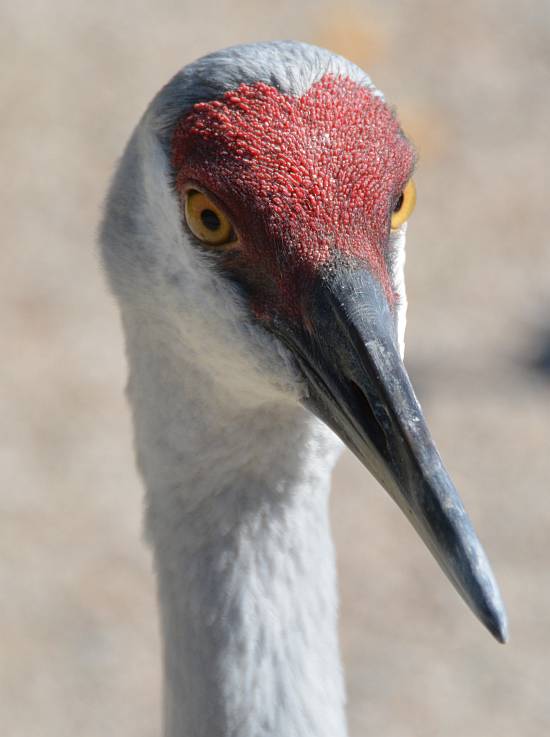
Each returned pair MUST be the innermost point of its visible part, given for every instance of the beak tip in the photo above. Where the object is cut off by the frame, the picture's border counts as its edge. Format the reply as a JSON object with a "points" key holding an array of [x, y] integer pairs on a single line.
{"points": [[493, 614], [498, 626]]}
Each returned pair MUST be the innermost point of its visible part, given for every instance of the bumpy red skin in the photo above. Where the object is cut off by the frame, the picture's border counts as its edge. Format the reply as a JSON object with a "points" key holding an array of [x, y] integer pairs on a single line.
{"points": [[305, 181]]}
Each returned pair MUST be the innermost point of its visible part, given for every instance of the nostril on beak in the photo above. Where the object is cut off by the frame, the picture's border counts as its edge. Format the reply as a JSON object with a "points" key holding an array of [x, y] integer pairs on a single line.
{"points": [[371, 423]]}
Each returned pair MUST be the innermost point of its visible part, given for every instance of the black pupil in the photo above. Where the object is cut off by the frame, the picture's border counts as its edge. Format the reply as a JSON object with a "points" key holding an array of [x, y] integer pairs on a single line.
{"points": [[399, 204], [210, 220]]}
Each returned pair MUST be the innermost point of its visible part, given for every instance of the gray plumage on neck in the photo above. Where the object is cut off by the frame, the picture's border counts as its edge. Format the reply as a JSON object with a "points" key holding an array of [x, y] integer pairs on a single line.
{"points": [[237, 517]]}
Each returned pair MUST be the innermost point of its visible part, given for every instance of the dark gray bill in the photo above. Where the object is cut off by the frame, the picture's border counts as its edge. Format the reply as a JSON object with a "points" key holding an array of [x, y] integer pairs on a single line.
{"points": [[359, 386]]}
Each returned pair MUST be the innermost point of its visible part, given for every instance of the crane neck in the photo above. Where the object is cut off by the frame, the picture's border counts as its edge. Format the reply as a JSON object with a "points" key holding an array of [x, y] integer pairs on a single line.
{"points": [[237, 516]]}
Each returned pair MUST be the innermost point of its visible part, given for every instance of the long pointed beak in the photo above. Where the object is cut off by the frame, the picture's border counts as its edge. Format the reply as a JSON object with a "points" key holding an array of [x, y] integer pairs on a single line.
{"points": [[359, 386]]}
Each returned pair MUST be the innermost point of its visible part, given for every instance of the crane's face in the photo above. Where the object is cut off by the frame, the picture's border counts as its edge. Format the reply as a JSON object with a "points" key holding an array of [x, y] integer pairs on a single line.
{"points": [[298, 185], [302, 201]]}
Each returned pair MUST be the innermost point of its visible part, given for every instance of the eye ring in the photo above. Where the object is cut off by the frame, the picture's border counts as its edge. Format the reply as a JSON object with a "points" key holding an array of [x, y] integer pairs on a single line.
{"points": [[404, 205], [206, 220]]}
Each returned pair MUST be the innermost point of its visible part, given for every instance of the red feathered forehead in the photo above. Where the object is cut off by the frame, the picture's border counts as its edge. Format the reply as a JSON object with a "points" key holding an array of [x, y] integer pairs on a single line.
{"points": [[303, 179]]}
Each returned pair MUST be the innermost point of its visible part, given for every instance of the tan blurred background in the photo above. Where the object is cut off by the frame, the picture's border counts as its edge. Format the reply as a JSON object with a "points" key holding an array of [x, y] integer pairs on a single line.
{"points": [[79, 650]]}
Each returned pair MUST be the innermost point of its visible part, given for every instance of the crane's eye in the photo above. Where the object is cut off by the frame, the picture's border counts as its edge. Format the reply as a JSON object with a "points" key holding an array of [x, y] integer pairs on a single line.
{"points": [[404, 205], [205, 219]]}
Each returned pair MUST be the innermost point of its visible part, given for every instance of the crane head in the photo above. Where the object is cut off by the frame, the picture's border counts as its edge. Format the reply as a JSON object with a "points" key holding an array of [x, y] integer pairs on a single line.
{"points": [[276, 184]]}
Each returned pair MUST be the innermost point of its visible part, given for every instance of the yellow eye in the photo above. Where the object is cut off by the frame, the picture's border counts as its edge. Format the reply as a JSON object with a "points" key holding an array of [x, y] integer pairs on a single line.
{"points": [[206, 221], [404, 205]]}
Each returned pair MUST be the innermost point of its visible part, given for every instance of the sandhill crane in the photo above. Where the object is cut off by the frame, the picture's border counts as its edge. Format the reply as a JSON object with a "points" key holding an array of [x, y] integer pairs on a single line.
{"points": [[254, 237]]}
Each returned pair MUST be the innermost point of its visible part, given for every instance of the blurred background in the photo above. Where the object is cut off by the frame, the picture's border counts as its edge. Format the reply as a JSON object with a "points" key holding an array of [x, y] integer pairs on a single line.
{"points": [[79, 647]]}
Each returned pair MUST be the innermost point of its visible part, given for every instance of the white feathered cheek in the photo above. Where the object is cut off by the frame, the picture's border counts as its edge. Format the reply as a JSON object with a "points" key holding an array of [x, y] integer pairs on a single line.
{"points": [[215, 326]]}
